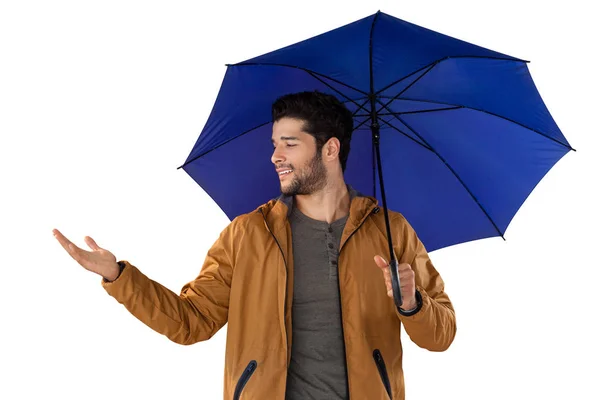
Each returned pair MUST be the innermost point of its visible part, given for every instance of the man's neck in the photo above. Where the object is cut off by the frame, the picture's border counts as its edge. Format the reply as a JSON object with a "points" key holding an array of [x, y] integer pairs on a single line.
{"points": [[329, 204]]}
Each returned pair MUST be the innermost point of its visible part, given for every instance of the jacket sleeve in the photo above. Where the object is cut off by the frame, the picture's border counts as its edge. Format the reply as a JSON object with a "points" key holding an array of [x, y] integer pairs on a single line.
{"points": [[433, 324], [198, 312]]}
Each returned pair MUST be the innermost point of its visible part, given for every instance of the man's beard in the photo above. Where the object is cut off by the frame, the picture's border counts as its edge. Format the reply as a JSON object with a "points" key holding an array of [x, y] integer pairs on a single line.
{"points": [[310, 179]]}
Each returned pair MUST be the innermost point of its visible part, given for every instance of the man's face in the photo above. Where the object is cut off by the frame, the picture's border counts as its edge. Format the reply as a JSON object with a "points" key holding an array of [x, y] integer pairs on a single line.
{"points": [[298, 164]]}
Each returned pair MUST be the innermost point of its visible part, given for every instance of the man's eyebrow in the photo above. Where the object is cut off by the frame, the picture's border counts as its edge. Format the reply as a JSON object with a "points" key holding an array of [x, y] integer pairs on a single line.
{"points": [[285, 138]]}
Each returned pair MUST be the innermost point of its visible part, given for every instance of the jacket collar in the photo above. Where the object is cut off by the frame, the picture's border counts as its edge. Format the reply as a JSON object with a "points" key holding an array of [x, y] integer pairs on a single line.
{"points": [[288, 201], [278, 210]]}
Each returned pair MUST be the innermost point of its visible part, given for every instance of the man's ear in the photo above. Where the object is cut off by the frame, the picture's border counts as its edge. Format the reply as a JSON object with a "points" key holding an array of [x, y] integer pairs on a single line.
{"points": [[332, 148]]}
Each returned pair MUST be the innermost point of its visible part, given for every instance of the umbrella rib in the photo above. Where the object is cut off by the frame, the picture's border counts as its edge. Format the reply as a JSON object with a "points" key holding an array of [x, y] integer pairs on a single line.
{"points": [[453, 172], [426, 111], [457, 106], [362, 123], [300, 68], [223, 144], [407, 135], [359, 115], [406, 88], [444, 59], [404, 77], [361, 106], [337, 91], [410, 112]]}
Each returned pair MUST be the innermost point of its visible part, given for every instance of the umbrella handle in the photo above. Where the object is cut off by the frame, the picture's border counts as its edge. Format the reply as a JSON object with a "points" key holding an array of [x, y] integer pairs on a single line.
{"points": [[395, 283]]}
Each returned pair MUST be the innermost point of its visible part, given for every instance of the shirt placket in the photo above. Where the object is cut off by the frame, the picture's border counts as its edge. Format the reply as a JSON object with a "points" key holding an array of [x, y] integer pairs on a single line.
{"points": [[332, 253]]}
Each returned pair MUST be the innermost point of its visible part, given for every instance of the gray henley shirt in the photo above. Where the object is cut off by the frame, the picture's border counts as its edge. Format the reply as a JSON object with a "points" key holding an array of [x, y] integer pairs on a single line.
{"points": [[318, 363]]}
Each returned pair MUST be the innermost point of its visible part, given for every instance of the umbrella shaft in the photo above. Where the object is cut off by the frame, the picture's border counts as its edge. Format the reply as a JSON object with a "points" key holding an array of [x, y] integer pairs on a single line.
{"points": [[376, 145]]}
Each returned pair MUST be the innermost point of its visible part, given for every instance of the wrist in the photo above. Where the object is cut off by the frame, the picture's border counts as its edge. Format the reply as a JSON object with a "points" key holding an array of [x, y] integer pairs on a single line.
{"points": [[417, 306], [411, 305], [115, 272]]}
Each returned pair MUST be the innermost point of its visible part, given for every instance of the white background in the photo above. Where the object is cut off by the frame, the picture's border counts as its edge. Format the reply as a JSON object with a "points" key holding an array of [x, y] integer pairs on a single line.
{"points": [[100, 102]]}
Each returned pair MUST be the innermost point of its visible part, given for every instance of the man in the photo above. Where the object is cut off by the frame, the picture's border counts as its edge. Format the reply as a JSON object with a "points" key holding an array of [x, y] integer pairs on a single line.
{"points": [[309, 316]]}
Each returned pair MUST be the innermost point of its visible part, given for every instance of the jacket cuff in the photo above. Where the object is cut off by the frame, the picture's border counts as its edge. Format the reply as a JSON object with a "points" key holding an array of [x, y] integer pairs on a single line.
{"points": [[408, 313]]}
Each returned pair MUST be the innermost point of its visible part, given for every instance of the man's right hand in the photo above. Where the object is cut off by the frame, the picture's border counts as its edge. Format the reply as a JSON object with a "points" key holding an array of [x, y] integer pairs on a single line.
{"points": [[99, 260]]}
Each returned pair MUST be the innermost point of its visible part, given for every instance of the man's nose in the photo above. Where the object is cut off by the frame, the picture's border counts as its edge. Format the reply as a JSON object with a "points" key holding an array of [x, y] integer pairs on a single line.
{"points": [[277, 157]]}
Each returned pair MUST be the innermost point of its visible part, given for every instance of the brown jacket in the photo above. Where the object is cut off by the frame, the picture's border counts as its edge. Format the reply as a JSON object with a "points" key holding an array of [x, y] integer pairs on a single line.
{"points": [[247, 281]]}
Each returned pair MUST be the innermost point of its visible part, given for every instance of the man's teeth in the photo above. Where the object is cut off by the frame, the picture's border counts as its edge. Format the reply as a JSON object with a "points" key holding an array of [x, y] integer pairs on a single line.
{"points": [[285, 172]]}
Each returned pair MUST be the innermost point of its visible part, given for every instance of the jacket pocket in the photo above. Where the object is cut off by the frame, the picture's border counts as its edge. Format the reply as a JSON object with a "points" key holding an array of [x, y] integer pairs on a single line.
{"points": [[244, 379], [382, 371]]}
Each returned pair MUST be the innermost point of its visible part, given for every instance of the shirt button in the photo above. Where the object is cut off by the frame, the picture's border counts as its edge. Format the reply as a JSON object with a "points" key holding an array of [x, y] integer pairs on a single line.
{"points": [[330, 230], [330, 245]]}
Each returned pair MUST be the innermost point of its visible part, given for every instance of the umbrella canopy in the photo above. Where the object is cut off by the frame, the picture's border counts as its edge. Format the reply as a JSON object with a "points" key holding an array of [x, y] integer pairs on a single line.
{"points": [[463, 133]]}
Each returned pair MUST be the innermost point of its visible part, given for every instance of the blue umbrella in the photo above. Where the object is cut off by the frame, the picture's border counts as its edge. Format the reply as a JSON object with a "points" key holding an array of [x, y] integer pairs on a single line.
{"points": [[460, 132]]}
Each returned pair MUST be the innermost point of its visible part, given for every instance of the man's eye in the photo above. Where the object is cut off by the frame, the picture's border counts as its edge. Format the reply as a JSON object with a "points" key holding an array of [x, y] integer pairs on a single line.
{"points": [[286, 145]]}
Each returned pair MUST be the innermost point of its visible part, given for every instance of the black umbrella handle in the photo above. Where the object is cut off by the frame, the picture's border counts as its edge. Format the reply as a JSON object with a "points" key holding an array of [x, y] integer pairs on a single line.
{"points": [[396, 283]]}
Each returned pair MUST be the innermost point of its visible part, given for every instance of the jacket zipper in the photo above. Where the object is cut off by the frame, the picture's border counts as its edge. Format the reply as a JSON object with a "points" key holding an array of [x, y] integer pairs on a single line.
{"points": [[382, 371], [276, 241], [282, 256], [374, 211], [244, 379]]}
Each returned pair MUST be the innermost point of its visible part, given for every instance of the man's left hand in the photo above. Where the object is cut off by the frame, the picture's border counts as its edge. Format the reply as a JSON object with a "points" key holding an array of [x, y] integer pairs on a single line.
{"points": [[407, 282]]}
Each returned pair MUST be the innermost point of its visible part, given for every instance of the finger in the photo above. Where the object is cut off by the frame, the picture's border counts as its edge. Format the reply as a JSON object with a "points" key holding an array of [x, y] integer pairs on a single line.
{"points": [[407, 276], [91, 243], [66, 243], [386, 273], [380, 261], [404, 267], [74, 251], [387, 278]]}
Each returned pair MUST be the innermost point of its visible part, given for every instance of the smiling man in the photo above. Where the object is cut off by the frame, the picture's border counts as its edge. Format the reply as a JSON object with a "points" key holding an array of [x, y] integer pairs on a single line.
{"points": [[300, 281]]}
